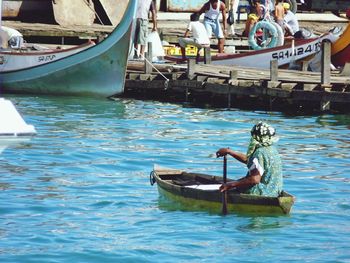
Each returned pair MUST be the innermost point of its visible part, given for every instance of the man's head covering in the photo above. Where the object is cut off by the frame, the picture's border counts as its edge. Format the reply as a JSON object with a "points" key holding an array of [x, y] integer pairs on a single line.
{"points": [[286, 6], [262, 135]]}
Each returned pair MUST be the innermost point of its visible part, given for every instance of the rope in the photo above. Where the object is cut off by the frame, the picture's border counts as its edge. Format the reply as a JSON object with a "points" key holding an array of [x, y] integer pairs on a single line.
{"points": [[166, 84]]}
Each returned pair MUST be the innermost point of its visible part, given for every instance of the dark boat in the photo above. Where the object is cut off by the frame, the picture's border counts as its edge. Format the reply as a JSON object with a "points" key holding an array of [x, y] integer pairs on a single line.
{"points": [[201, 191]]}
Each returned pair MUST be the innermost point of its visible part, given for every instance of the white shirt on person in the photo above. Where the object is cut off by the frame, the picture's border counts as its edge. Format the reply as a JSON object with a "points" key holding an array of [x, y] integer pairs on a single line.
{"points": [[10, 37], [213, 13], [291, 21], [143, 8], [199, 32]]}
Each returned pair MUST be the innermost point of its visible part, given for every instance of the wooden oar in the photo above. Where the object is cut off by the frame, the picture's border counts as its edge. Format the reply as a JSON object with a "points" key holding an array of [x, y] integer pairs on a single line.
{"points": [[224, 194]]}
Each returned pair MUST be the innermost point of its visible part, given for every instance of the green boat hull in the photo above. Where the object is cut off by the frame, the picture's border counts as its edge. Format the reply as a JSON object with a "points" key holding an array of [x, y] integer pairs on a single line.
{"points": [[97, 71]]}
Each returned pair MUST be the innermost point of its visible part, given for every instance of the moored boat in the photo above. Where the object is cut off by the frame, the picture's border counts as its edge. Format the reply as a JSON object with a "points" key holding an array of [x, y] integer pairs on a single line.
{"points": [[285, 54], [98, 70], [201, 191], [15, 60]]}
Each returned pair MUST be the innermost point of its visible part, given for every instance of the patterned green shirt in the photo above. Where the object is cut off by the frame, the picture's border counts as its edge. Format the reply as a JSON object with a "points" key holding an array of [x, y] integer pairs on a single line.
{"points": [[267, 160]]}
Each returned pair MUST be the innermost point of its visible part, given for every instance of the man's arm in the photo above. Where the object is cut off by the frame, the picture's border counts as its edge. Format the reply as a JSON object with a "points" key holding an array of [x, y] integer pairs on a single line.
{"points": [[238, 156], [250, 180], [224, 18], [203, 9]]}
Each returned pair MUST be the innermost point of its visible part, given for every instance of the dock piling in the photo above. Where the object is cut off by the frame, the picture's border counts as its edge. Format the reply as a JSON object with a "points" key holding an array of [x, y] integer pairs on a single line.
{"points": [[273, 83], [148, 59], [304, 65], [207, 55], [326, 73], [325, 65], [191, 65], [274, 70]]}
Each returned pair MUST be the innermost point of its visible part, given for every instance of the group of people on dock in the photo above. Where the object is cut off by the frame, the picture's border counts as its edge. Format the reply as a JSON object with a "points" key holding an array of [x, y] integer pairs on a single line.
{"points": [[278, 11]]}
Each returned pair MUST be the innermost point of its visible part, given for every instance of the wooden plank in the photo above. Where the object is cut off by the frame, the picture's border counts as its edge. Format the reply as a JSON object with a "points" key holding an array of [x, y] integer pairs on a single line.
{"points": [[248, 91], [65, 12], [273, 84], [278, 93], [215, 80], [315, 95], [133, 76], [346, 70], [187, 83], [288, 86], [49, 30], [309, 87], [216, 88], [145, 77]]}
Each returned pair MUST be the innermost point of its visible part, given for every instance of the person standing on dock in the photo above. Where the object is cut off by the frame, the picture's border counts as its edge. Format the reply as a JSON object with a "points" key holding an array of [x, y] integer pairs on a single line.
{"points": [[141, 30], [263, 161], [200, 38], [256, 13], [211, 10], [291, 23], [233, 8], [279, 13]]}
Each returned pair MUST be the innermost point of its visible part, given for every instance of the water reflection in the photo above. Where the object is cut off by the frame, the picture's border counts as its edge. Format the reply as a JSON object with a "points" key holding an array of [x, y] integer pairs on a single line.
{"points": [[264, 223], [334, 120], [169, 205], [88, 169], [11, 142]]}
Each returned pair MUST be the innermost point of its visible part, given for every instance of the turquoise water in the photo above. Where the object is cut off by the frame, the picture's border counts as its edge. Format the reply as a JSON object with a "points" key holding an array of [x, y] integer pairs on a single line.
{"points": [[79, 191]]}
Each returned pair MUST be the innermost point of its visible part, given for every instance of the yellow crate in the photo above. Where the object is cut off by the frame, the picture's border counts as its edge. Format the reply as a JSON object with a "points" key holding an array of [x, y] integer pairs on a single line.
{"points": [[190, 51]]}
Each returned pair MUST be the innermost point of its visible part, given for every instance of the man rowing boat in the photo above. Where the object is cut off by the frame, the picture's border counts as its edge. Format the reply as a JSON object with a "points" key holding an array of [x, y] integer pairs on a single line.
{"points": [[264, 164]]}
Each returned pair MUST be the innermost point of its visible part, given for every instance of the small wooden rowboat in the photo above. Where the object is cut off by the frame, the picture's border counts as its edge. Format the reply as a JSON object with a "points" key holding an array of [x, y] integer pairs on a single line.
{"points": [[201, 191]]}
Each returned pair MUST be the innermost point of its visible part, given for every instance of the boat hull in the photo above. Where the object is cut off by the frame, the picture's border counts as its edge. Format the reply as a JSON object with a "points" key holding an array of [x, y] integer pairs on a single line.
{"points": [[97, 71], [14, 60], [262, 58], [211, 199]]}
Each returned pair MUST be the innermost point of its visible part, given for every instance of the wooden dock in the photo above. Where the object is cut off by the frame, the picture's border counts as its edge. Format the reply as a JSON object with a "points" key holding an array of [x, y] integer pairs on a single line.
{"points": [[240, 87]]}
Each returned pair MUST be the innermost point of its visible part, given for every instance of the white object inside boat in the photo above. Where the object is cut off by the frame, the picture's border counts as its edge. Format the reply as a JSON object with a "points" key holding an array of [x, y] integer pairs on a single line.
{"points": [[205, 187]]}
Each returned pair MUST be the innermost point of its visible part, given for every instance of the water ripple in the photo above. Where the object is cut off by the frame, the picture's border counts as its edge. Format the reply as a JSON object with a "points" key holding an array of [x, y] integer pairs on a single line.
{"points": [[79, 191]]}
